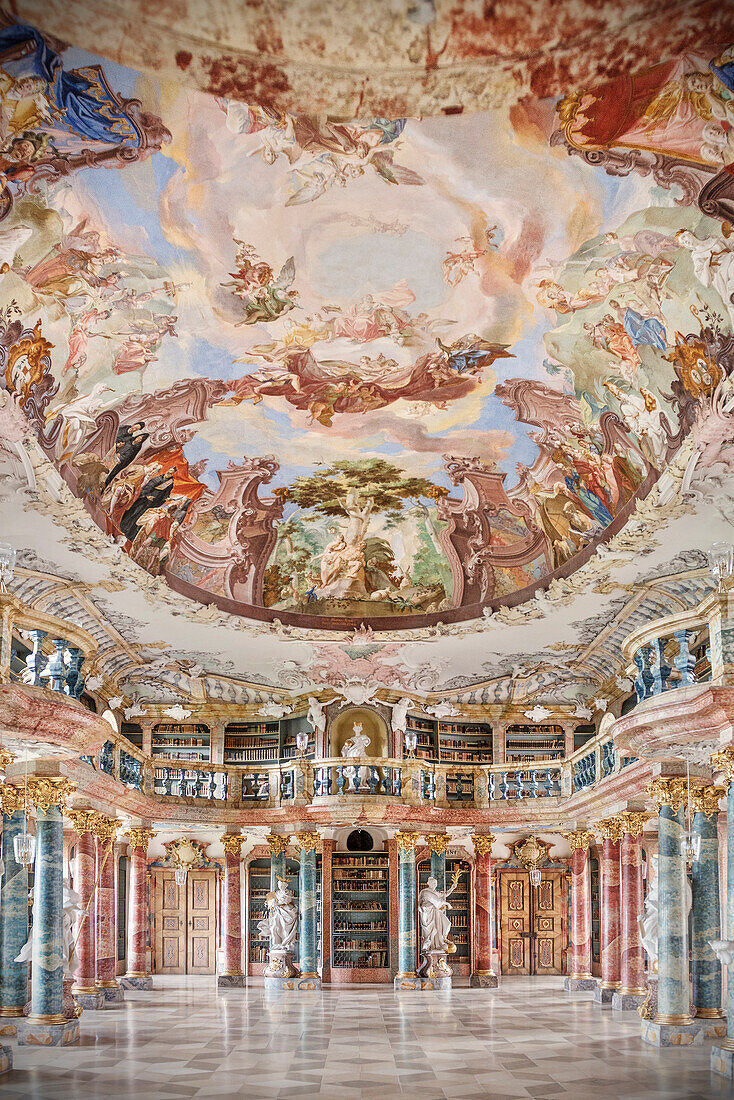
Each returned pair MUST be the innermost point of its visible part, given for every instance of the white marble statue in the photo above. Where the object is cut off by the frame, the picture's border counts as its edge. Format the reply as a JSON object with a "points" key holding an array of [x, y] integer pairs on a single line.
{"points": [[649, 921], [357, 744], [434, 919], [281, 924], [400, 714], [72, 906], [724, 951], [316, 716]]}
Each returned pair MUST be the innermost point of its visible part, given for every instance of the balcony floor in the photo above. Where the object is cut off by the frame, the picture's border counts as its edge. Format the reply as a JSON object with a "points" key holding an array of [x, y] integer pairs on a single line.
{"points": [[527, 1039]]}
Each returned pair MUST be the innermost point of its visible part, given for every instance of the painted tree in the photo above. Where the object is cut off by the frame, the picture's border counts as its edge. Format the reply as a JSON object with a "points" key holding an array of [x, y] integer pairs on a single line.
{"points": [[326, 492]]}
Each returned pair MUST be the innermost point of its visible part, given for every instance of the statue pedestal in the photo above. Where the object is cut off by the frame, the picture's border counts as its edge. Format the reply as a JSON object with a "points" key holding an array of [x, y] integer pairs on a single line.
{"points": [[484, 979], [49, 1032], [434, 971], [722, 1059], [579, 985], [281, 975]]}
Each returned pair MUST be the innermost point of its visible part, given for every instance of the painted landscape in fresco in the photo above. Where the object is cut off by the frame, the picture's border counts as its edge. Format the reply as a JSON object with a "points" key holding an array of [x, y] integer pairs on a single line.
{"points": [[335, 371]]}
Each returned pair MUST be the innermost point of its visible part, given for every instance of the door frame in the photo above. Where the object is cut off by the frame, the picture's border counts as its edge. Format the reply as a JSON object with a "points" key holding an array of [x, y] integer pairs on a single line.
{"points": [[159, 875], [561, 875]]}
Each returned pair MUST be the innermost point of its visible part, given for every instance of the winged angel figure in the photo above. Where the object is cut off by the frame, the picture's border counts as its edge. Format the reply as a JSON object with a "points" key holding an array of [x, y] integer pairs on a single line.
{"points": [[264, 298]]}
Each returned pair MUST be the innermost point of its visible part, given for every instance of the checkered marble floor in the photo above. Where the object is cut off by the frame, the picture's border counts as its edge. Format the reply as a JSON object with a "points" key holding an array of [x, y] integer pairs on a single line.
{"points": [[528, 1038]]}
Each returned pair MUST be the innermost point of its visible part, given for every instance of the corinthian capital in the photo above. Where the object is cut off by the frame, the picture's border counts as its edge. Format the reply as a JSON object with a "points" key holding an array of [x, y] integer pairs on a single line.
{"points": [[50, 791], [579, 838], [11, 798], [139, 838], [104, 828], [307, 842], [669, 792], [611, 829], [232, 843], [705, 800], [278, 843], [82, 820], [483, 843], [438, 842], [407, 842], [723, 761], [633, 823]]}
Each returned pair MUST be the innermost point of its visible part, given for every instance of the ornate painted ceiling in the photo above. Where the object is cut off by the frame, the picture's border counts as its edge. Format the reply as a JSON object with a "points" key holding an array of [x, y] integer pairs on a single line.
{"points": [[378, 383]]}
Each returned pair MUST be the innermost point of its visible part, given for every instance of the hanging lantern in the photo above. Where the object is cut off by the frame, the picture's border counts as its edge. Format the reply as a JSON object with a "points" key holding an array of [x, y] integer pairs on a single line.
{"points": [[302, 741], [24, 846], [411, 740], [179, 876], [721, 562], [535, 877], [690, 848]]}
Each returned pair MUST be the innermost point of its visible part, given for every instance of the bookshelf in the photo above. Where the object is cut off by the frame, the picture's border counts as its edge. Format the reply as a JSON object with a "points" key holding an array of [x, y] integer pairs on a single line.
{"points": [[426, 733], [133, 732], [582, 734], [595, 913], [529, 744], [459, 912], [181, 741], [258, 886], [289, 729], [251, 742], [465, 743], [360, 908]]}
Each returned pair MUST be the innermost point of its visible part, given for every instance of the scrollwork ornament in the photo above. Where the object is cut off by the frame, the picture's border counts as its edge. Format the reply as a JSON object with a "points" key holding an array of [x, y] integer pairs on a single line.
{"points": [[705, 800], [669, 792], [483, 843], [6, 759], [104, 828], [50, 791], [11, 798], [139, 838], [579, 838], [407, 842], [278, 844], [723, 761], [633, 823], [232, 843], [82, 820], [307, 842], [438, 842], [611, 829]]}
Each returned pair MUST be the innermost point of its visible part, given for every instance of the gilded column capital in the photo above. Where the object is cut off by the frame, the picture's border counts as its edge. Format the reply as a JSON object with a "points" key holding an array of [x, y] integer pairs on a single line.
{"points": [[6, 758], [669, 792], [483, 843], [723, 761], [139, 838], [278, 843], [705, 800], [407, 842], [611, 829], [307, 842], [82, 820], [232, 843], [12, 798], [50, 791], [579, 838], [438, 842], [633, 822], [104, 828]]}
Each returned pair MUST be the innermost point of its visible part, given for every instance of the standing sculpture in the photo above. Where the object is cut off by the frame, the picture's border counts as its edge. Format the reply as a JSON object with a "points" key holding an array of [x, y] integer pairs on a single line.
{"points": [[316, 716], [354, 746], [435, 923], [280, 928]]}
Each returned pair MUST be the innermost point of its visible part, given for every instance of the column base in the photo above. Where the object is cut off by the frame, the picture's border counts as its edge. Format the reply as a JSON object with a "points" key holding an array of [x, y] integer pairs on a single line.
{"points": [[603, 994], [93, 1001], [671, 1035], [722, 1060], [579, 985], [230, 981], [406, 980], [484, 979], [714, 1025], [36, 1033], [136, 981], [297, 983], [627, 1002], [6, 1059], [113, 993], [9, 1022]]}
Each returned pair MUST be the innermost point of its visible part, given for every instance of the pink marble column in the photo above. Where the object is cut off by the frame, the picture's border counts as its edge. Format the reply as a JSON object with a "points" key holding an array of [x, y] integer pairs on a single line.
{"points": [[579, 961], [137, 976], [84, 960], [106, 915], [609, 915], [231, 973], [633, 989], [483, 975]]}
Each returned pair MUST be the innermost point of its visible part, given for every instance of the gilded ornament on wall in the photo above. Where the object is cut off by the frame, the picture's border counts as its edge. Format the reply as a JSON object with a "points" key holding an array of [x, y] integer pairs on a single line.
{"points": [[278, 844], [579, 838], [50, 791], [139, 838], [483, 843]]}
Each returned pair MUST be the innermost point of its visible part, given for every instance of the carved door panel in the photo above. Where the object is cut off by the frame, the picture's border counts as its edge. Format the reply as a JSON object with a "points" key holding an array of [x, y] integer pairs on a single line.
{"points": [[202, 922], [170, 924], [548, 903], [515, 922]]}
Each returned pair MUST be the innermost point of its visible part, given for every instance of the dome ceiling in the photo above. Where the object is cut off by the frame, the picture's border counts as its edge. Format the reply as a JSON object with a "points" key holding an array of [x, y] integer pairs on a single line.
{"points": [[391, 372]]}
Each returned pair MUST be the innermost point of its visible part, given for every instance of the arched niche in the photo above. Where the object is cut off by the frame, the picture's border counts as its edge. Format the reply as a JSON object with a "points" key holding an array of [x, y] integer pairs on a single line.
{"points": [[373, 724]]}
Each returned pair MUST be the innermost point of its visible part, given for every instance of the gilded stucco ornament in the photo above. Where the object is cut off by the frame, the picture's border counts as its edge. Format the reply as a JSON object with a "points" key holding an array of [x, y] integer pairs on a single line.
{"points": [[407, 842], [610, 829], [12, 798], [632, 823], [6, 759], [278, 843], [669, 792], [438, 842], [105, 828], [83, 821], [232, 843], [530, 853], [705, 800], [483, 843], [47, 792], [139, 838], [723, 761], [579, 838], [307, 842]]}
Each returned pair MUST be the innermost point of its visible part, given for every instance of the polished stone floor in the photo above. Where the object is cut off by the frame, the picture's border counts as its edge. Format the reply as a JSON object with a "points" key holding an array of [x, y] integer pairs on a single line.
{"points": [[528, 1038]]}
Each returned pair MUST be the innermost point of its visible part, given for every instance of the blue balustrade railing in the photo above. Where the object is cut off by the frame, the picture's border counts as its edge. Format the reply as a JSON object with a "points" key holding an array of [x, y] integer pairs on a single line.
{"points": [[665, 663], [584, 772], [107, 758], [188, 783], [61, 671], [131, 771], [607, 756]]}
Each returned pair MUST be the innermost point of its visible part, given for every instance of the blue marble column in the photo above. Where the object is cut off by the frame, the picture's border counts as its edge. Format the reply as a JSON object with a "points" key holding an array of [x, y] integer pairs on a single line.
{"points": [[13, 924], [308, 912], [705, 916], [278, 846], [673, 995], [438, 869], [406, 978], [722, 1053]]}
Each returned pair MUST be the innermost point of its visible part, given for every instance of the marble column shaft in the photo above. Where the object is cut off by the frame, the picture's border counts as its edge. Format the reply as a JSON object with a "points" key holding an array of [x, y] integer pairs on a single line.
{"points": [[47, 961], [706, 918], [137, 927], [406, 913], [580, 961], [277, 868], [632, 954], [609, 915], [84, 964], [13, 921], [232, 915], [438, 869], [673, 996], [483, 913], [106, 917], [307, 901], [730, 911]]}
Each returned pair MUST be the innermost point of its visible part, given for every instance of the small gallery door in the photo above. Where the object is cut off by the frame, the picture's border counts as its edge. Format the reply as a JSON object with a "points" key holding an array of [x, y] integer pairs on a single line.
{"points": [[185, 923], [532, 924]]}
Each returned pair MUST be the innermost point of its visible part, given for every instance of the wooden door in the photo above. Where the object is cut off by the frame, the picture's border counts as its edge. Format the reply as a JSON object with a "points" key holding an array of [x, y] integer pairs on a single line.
{"points": [[515, 922], [548, 904], [202, 922], [170, 924]]}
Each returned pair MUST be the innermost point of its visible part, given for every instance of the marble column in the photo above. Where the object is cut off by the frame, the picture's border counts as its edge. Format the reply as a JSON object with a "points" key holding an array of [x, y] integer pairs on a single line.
{"points": [[307, 912], [231, 975], [406, 977], [278, 848], [137, 975], [722, 1051], [13, 915], [633, 990], [84, 963], [483, 975], [579, 959], [435, 971], [105, 910], [705, 913], [609, 923], [673, 1024], [47, 1025]]}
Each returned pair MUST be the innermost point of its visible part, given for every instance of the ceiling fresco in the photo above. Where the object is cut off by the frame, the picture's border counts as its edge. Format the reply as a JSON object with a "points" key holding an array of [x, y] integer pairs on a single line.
{"points": [[386, 373]]}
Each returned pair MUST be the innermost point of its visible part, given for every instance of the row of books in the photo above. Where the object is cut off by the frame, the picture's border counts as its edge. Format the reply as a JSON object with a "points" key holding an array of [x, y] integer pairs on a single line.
{"points": [[184, 742], [367, 925], [255, 741], [234, 730], [360, 861], [357, 945], [375, 960], [232, 756], [345, 886]]}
